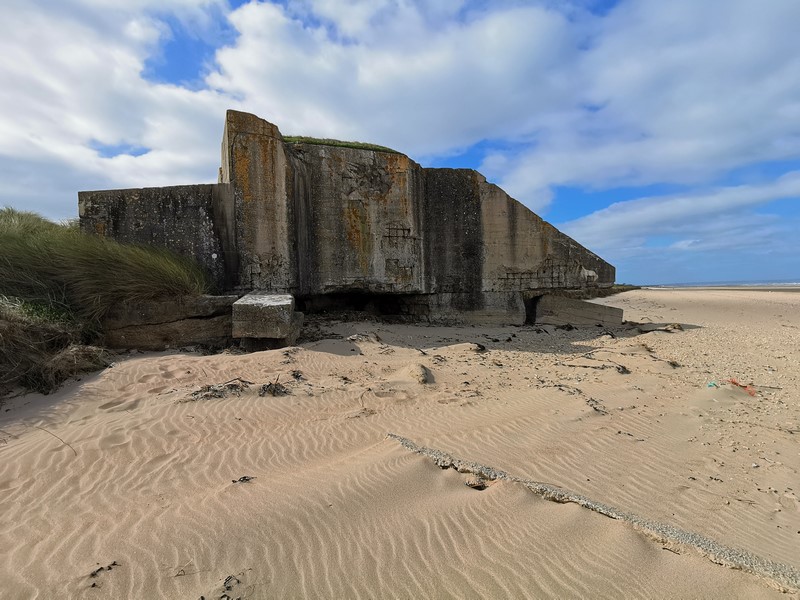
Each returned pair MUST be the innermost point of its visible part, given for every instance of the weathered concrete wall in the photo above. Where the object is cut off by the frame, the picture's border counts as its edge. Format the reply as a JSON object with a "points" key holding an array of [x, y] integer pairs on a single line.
{"points": [[188, 219], [523, 252], [493, 308], [454, 234], [478, 238], [255, 163], [557, 310], [362, 221]]}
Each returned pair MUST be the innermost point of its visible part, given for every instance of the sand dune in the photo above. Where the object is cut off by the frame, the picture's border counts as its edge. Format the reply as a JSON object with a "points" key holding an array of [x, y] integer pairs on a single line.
{"points": [[142, 482]]}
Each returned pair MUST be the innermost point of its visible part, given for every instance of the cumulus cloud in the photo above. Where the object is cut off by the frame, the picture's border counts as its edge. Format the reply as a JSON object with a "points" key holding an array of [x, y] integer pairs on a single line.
{"points": [[678, 92], [676, 214], [680, 238], [388, 72], [72, 74]]}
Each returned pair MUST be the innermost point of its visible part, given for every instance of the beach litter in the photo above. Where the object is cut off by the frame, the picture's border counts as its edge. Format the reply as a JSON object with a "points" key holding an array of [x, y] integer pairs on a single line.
{"points": [[364, 337], [747, 388]]}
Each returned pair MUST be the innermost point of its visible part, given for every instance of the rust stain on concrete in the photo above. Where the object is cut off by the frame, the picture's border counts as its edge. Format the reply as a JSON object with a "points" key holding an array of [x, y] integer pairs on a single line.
{"points": [[358, 234]]}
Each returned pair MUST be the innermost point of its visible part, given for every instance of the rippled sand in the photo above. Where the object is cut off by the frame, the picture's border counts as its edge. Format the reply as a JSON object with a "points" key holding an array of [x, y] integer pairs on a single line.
{"points": [[128, 470]]}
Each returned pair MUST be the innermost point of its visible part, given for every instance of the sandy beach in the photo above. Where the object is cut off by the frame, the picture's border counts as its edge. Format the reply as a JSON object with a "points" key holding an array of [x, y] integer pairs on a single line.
{"points": [[395, 461]]}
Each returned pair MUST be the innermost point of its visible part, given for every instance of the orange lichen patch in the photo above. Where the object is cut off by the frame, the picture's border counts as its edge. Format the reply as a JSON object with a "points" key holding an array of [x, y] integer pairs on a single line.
{"points": [[263, 169], [240, 122], [396, 164], [241, 168], [358, 234], [338, 159], [253, 158], [100, 228]]}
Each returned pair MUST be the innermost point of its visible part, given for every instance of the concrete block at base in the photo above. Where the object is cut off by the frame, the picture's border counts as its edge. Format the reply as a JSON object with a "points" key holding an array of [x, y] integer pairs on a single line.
{"points": [[157, 312], [265, 316], [558, 310], [212, 332], [250, 344], [169, 323]]}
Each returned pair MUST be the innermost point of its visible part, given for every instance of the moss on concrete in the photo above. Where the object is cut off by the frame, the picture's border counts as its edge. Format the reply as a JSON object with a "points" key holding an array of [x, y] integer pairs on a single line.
{"points": [[299, 139]]}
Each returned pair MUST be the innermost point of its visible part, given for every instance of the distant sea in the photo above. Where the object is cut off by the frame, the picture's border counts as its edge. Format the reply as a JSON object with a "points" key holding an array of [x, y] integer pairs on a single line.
{"points": [[779, 283]]}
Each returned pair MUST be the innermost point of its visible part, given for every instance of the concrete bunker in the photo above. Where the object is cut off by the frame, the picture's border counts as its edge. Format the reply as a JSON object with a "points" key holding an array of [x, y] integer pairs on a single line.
{"points": [[353, 227]]}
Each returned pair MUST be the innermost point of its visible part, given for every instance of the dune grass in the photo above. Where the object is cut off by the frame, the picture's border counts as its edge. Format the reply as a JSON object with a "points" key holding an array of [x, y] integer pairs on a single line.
{"points": [[57, 284], [56, 265], [41, 348]]}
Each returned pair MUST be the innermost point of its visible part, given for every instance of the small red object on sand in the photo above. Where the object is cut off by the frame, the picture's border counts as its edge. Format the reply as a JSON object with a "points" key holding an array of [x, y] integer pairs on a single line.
{"points": [[747, 388]]}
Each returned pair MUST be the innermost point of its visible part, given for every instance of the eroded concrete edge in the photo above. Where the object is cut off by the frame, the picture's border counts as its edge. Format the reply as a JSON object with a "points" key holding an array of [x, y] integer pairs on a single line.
{"points": [[785, 577]]}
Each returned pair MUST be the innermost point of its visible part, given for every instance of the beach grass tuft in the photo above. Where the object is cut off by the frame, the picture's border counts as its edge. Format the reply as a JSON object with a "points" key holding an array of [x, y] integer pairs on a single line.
{"points": [[40, 348], [58, 266], [56, 284]]}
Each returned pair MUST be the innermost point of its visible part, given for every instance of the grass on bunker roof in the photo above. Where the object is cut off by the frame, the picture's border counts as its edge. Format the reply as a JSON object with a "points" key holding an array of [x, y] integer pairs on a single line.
{"points": [[299, 139]]}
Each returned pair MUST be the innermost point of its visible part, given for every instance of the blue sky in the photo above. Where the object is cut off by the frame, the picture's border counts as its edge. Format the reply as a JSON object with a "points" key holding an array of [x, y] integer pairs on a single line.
{"points": [[665, 136]]}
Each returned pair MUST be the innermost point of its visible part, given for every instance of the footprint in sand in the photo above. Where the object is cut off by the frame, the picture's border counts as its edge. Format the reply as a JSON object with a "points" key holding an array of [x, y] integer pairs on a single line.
{"points": [[120, 406], [398, 395], [110, 405]]}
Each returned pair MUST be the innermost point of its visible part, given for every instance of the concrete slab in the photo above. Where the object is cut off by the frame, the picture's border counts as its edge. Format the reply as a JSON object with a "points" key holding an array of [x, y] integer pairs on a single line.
{"points": [[172, 323], [262, 315], [559, 310], [156, 312]]}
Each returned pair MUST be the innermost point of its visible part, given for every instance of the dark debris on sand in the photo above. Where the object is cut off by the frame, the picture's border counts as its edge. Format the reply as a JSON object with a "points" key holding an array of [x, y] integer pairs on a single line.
{"points": [[233, 387], [274, 389]]}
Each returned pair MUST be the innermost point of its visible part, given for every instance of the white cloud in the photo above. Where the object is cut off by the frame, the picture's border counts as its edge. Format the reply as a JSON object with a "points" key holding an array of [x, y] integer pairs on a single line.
{"points": [[682, 92], [71, 75], [709, 212], [730, 233], [396, 77]]}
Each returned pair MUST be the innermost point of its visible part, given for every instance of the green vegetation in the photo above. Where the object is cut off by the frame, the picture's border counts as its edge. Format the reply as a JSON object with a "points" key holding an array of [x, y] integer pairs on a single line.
{"points": [[297, 139], [56, 284], [39, 348], [58, 266]]}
